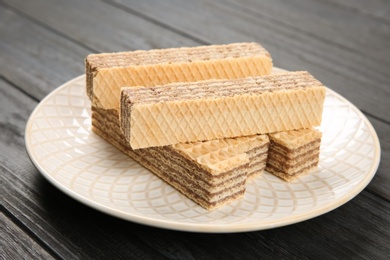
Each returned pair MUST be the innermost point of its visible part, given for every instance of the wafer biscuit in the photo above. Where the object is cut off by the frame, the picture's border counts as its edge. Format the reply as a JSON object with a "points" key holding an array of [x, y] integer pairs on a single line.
{"points": [[293, 153], [106, 73], [211, 173], [213, 109]]}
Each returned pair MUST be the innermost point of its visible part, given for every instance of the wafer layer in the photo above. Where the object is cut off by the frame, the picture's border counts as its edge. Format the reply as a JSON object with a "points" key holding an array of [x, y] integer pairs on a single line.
{"points": [[213, 109], [293, 153], [107, 73], [210, 173]]}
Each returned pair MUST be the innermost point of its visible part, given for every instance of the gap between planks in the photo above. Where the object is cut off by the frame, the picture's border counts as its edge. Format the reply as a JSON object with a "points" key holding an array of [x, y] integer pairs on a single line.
{"points": [[28, 232]]}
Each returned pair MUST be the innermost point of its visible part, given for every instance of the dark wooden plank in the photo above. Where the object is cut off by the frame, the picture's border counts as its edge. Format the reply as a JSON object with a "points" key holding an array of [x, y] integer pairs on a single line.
{"points": [[346, 28], [353, 74], [379, 9], [34, 58], [104, 28], [15, 244]]}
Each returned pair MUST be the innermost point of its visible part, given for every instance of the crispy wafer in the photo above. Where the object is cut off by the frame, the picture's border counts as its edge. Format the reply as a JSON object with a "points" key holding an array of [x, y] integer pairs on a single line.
{"points": [[106, 73], [293, 153], [213, 109]]}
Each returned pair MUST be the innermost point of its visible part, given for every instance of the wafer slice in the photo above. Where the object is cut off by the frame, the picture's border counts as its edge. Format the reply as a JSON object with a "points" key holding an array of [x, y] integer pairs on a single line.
{"points": [[293, 153], [107, 73], [210, 173], [213, 109]]}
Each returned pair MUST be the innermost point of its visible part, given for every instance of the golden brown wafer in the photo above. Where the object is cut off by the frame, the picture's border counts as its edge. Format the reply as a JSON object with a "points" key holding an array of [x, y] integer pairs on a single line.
{"points": [[213, 109], [106, 73], [293, 153]]}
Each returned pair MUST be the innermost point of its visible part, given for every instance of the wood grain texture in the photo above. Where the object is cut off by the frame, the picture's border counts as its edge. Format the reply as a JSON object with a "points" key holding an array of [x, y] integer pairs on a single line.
{"points": [[18, 243], [100, 26], [348, 29], [34, 58], [377, 9]]}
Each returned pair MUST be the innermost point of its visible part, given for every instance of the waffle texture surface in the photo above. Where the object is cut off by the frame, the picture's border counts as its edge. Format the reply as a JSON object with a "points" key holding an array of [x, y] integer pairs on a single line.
{"points": [[214, 109], [106, 73]]}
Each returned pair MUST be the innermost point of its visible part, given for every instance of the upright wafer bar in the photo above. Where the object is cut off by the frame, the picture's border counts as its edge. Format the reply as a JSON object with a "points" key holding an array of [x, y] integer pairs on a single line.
{"points": [[205, 110], [293, 153], [211, 173], [107, 73]]}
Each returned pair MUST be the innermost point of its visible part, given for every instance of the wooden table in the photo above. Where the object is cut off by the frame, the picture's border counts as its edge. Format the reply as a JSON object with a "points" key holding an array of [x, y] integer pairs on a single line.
{"points": [[345, 44]]}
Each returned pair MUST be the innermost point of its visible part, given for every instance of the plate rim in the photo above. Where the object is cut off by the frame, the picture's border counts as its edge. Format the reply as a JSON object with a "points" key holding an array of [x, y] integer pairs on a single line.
{"points": [[208, 227]]}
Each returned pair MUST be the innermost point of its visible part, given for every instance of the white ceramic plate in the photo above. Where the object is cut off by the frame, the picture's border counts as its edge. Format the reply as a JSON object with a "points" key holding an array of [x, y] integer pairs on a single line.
{"points": [[81, 164]]}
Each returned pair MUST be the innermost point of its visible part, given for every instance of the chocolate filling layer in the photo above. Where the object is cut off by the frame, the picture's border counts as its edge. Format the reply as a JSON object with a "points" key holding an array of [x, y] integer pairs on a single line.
{"points": [[290, 153], [296, 161], [300, 171], [190, 176]]}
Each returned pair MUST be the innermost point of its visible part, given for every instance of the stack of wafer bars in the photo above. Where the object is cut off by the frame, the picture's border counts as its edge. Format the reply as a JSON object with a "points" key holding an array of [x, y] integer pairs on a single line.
{"points": [[206, 119]]}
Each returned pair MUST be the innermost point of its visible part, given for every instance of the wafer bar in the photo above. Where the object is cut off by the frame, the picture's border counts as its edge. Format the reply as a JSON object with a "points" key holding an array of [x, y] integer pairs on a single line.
{"points": [[293, 153], [214, 109], [106, 73], [211, 173]]}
